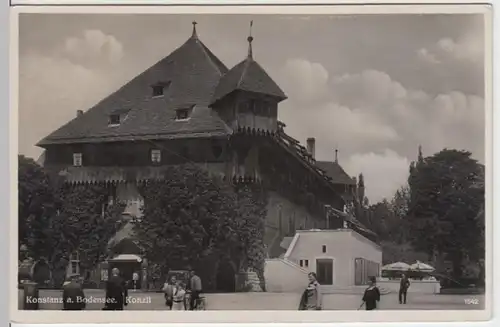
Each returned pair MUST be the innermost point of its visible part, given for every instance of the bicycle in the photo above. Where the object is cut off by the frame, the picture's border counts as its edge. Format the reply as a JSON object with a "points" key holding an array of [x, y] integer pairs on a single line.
{"points": [[200, 303]]}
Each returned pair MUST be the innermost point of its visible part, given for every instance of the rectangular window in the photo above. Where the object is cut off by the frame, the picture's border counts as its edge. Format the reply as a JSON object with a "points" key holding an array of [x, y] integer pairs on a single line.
{"points": [[158, 90], [77, 159], [306, 263], [324, 248], [182, 114], [74, 263], [301, 263], [74, 256], [156, 156], [114, 119], [74, 267]]}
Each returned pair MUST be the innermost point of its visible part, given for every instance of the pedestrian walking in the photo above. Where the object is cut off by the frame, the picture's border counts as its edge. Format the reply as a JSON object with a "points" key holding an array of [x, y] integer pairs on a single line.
{"points": [[179, 297], [403, 289], [311, 299], [73, 295], [168, 289], [116, 292], [196, 289], [372, 295]]}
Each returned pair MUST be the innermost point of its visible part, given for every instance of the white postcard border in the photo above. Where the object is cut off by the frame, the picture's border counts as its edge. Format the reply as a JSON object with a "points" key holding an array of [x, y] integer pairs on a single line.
{"points": [[21, 316]]}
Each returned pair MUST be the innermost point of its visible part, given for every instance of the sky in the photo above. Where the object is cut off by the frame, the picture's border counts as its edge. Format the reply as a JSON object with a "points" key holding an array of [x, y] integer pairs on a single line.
{"points": [[375, 87]]}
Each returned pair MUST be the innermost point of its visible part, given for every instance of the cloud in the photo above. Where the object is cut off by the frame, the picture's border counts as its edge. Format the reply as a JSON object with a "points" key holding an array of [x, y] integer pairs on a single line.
{"points": [[93, 46], [306, 80], [74, 75], [469, 49], [367, 113], [384, 172], [51, 90], [426, 56]]}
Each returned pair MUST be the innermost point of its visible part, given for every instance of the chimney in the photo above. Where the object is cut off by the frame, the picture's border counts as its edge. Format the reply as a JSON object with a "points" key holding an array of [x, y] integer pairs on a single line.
{"points": [[311, 146], [79, 113], [336, 156]]}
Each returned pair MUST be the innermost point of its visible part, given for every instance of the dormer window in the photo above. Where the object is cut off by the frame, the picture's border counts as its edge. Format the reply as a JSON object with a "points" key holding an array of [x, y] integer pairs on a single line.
{"points": [[114, 119], [156, 156], [159, 88], [182, 114], [77, 159], [117, 116]]}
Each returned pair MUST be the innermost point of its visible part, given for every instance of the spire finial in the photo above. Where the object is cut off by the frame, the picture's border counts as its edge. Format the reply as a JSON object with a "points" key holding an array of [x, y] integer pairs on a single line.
{"points": [[336, 155], [250, 39], [194, 30]]}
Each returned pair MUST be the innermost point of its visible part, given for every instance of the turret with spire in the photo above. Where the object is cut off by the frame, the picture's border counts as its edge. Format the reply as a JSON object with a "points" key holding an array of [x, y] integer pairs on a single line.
{"points": [[250, 39], [248, 88], [361, 188], [194, 35]]}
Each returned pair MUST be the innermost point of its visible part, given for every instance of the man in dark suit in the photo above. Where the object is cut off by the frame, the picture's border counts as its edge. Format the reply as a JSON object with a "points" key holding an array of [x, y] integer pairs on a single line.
{"points": [[116, 291], [73, 296], [403, 289]]}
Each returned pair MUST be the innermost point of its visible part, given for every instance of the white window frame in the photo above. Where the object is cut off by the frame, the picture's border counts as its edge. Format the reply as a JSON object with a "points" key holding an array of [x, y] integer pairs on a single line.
{"points": [[77, 159], [156, 156], [74, 259]]}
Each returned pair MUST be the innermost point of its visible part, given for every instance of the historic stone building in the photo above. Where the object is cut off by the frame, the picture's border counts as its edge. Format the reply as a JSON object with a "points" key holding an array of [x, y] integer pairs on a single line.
{"points": [[190, 107]]}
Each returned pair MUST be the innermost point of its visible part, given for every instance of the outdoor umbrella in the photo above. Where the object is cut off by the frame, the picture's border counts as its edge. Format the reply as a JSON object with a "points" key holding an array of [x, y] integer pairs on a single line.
{"points": [[420, 266], [396, 266]]}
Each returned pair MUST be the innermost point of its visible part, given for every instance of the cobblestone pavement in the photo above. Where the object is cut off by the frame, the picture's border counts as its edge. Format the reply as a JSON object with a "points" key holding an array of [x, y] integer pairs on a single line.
{"points": [[277, 301]]}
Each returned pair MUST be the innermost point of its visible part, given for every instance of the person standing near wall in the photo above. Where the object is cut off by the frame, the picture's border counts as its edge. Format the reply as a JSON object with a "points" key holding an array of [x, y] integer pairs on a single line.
{"points": [[403, 289], [196, 289], [372, 295], [169, 289], [73, 296], [311, 299], [116, 292]]}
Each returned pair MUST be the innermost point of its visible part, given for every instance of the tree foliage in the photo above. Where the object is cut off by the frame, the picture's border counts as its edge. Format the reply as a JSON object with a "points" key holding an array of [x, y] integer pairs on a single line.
{"points": [[90, 221], [189, 216], [56, 219], [446, 198], [36, 198]]}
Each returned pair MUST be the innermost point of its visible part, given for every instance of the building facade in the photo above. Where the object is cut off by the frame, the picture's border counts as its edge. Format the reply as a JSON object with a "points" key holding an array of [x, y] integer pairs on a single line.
{"points": [[341, 259], [189, 107]]}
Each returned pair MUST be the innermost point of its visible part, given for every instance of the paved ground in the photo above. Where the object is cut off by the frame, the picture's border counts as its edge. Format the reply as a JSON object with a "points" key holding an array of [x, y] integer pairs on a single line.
{"points": [[278, 301]]}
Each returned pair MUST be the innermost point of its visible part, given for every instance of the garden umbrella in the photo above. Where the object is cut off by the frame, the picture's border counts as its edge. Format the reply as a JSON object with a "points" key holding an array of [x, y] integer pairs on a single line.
{"points": [[396, 266], [420, 266]]}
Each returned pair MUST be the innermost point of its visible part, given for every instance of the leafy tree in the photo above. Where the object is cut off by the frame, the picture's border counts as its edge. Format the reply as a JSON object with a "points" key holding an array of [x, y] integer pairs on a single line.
{"points": [[444, 206], [36, 198], [179, 214], [90, 221], [192, 219], [243, 232], [56, 219]]}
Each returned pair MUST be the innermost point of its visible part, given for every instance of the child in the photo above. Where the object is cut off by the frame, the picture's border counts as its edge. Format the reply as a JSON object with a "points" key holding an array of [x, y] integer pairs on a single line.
{"points": [[372, 295], [179, 298]]}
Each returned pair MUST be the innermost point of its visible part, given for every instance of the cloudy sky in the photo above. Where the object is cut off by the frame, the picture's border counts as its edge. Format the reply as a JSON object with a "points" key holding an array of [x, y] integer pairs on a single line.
{"points": [[374, 86]]}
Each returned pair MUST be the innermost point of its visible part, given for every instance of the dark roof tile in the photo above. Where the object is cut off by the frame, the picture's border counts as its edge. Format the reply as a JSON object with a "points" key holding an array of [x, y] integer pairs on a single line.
{"points": [[249, 76], [191, 73], [335, 172]]}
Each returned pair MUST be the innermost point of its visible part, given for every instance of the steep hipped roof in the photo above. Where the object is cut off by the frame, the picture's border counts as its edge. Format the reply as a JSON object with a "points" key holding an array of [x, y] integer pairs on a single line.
{"points": [[248, 76], [337, 173], [190, 75]]}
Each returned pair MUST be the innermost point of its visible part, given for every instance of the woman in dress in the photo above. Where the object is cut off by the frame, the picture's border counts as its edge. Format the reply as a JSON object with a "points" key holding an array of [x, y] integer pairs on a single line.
{"points": [[311, 298], [179, 297], [372, 295]]}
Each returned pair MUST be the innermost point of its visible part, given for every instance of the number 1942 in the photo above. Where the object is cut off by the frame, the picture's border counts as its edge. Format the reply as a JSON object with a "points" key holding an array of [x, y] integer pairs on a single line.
{"points": [[471, 301]]}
